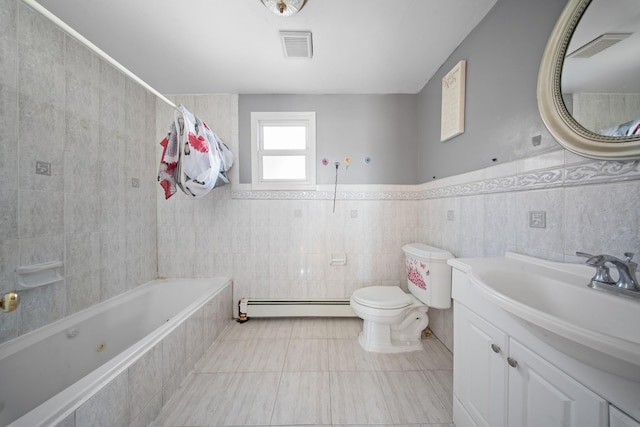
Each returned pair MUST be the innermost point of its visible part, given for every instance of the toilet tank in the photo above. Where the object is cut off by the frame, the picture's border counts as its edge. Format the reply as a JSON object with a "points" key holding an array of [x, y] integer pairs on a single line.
{"points": [[428, 275]]}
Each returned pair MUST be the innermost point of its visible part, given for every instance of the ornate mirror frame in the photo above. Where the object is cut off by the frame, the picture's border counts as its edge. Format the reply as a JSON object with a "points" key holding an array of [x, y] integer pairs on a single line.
{"points": [[561, 124]]}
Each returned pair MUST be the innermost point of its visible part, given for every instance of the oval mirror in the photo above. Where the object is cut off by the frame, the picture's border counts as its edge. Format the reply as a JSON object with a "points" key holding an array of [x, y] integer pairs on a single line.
{"points": [[589, 79]]}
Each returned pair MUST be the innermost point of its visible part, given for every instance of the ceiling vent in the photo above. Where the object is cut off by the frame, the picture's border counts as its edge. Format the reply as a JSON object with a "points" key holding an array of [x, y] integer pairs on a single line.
{"points": [[297, 44], [597, 45]]}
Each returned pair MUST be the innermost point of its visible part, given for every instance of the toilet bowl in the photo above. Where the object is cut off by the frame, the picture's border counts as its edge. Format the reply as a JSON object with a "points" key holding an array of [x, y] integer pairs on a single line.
{"points": [[393, 320]]}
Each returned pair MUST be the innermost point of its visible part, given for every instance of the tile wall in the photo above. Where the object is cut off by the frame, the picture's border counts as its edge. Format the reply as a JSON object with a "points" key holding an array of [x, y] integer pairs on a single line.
{"points": [[278, 244], [193, 234], [590, 206], [60, 104]]}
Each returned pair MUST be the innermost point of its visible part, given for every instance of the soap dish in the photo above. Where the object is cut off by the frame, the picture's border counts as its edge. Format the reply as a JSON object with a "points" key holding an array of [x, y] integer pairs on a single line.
{"points": [[34, 276]]}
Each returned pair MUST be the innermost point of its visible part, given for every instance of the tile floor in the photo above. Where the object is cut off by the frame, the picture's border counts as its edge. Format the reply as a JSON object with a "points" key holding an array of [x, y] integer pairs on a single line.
{"points": [[286, 372]]}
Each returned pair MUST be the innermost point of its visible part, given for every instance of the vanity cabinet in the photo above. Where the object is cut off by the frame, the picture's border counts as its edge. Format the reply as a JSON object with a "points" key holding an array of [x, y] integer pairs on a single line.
{"points": [[479, 370], [517, 363], [499, 382], [542, 395]]}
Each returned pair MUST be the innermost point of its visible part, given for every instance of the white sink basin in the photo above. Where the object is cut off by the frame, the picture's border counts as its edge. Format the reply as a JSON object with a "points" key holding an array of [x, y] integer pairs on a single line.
{"points": [[597, 328]]}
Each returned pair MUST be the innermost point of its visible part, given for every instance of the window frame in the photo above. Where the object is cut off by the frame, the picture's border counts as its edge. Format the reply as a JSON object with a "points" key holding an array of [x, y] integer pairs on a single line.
{"points": [[300, 118]]}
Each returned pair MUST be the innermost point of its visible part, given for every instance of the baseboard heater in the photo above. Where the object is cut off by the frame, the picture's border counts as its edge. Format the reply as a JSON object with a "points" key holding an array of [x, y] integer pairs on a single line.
{"points": [[249, 307]]}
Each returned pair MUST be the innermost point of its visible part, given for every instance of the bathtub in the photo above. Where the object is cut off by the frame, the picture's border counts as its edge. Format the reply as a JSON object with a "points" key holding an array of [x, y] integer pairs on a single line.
{"points": [[135, 348]]}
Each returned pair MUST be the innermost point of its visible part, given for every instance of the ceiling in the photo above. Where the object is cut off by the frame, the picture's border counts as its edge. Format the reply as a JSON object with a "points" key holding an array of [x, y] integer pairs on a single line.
{"points": [[233, 46], [614, 70]]}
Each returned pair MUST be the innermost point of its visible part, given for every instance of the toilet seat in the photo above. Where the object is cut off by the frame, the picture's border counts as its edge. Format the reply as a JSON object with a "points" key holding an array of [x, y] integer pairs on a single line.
{"points": [[382, 297]]}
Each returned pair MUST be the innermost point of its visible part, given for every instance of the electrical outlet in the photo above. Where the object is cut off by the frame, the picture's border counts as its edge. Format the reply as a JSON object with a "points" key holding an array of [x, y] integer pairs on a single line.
{"points": [[135, 182], [354, 213], [450, 215], [537, 219], [43, 168]]}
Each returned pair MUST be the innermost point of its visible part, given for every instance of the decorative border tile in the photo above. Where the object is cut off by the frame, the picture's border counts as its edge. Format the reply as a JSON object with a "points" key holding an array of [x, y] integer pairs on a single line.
{"points": [[546, 178], [602, 171], [590, 172], [325, 195]]}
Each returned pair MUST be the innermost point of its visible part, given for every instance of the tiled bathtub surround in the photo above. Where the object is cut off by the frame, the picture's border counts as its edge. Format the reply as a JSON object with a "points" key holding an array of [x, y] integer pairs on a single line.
{"points": [[61, 104], [135, 397]]}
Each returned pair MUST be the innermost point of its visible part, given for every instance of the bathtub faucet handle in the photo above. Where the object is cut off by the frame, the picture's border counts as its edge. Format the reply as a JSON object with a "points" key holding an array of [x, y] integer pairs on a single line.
{"points": [[9, 302]]}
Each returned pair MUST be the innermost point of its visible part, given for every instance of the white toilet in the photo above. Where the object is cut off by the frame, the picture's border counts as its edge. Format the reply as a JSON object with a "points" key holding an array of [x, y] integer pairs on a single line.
{"points": [[394, 320]]}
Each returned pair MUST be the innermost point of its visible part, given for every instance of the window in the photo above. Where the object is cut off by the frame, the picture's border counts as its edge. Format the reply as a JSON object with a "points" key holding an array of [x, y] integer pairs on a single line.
{"points": [[283, 151]]}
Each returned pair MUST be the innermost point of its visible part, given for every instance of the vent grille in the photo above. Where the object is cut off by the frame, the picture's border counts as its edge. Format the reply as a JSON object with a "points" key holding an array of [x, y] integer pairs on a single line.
{"points": [[297, 44], [598, 45]]}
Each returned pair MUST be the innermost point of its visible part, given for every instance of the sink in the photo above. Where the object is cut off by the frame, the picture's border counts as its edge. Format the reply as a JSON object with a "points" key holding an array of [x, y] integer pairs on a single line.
{"points": [[554, 301]]}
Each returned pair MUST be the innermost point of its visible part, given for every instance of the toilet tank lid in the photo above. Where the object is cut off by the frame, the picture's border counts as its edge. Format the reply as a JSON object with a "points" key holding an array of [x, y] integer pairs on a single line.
{"points": [[425, 251]]}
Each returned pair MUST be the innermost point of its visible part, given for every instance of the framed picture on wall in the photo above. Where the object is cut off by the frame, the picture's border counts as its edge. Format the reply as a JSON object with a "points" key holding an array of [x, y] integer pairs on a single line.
{"points": [[453, 94]]}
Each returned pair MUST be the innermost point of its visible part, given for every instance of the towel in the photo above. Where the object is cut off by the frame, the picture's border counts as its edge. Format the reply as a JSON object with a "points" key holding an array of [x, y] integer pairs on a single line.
{"points": [[194, 158]]}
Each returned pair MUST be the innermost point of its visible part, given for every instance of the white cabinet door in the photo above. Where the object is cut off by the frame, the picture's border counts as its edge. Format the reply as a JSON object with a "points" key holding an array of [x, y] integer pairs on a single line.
{"points": [[619, 419], [540, 395], [480, 368]]}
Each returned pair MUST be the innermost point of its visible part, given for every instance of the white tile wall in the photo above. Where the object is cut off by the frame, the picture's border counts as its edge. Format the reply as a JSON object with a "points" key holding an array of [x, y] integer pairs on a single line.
{"points": [[269, 251], [257, 238], [63, 105], [94, 126], [599, 218]]}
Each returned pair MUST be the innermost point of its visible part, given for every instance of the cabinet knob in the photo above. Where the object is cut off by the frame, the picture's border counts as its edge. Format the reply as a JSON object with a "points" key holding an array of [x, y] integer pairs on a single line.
{"points": [[512, 362], [495, 348]]}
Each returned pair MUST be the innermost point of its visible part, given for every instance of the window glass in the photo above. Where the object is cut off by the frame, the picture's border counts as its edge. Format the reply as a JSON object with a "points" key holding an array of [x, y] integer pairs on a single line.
{"points": [[284, 137], [283, 150], [283, 167]]}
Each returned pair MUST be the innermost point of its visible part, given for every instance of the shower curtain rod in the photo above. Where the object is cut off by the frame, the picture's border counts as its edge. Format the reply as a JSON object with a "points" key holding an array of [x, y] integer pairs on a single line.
{"points": [[60, 23]]}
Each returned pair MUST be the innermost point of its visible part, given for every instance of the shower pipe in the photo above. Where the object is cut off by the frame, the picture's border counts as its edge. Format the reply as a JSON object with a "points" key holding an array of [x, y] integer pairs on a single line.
{"points": [[73, 33]]}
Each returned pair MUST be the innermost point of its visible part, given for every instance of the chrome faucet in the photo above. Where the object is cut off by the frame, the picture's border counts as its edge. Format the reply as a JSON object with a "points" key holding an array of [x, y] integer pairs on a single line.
{"points": [[627, 282], [599, 263]]}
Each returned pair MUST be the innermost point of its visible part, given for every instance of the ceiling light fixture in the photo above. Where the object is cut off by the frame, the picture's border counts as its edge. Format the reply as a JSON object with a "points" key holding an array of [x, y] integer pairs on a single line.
{"points": [[284, 7]]}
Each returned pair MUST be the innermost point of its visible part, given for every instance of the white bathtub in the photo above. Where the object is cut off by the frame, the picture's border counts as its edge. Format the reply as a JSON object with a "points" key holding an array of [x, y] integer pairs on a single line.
{"points": [[50, 373]]}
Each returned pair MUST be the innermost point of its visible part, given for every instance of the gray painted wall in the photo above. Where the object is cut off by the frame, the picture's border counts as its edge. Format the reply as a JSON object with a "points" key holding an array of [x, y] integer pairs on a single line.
{"points": [[503, 55], [401, 133], [383, 127]]}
